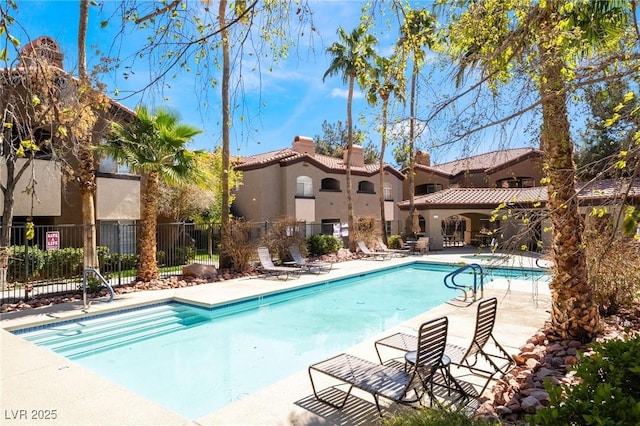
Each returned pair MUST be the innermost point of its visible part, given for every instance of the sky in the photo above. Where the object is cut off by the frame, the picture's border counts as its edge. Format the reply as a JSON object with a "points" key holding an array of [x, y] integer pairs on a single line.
{"points": [[286, 99]]}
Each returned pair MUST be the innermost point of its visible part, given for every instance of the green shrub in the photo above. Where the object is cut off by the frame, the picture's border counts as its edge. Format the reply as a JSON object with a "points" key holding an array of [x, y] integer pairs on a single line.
{"points": [[608, 395], [63, 263], [323, 244], [394, 241], [433, 417], [16, 271]]}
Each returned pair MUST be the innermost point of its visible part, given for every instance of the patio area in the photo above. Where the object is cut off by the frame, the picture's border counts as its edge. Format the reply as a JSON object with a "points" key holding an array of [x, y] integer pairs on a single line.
{"points": [[36, 382]]}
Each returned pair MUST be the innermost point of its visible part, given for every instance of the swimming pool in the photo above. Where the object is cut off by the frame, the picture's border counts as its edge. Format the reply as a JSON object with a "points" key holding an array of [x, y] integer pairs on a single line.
{"points": [[194, 360]]}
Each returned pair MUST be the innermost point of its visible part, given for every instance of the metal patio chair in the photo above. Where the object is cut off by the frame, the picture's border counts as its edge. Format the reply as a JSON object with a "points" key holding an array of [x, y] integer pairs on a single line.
{"points": [[301, 262], [498, 361], [393, 381], [269, 269]]}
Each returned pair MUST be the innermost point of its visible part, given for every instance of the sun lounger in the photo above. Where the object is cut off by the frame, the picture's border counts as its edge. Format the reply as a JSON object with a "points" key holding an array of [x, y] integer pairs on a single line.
{"points": [[301, 262], [393, 252], [376, 255], [466, 357], [404, 384], [269, 269]]}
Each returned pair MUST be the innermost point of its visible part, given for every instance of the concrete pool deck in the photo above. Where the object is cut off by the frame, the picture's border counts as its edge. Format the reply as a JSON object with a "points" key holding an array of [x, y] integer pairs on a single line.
{"points": [[40, 387]]}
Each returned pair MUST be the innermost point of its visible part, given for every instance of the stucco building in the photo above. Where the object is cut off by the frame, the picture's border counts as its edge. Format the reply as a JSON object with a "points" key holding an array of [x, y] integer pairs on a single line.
{"points": [[297, 182]]}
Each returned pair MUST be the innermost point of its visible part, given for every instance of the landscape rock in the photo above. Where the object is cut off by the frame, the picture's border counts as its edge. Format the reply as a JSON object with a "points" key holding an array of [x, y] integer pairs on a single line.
{"points": [[198, 270]]}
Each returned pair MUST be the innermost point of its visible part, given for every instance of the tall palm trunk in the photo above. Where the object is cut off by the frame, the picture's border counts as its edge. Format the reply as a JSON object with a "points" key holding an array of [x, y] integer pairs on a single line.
{"points": [[147, 266], [412, 162], [352, 241], [225, 260], [86, 166], [574, 312], [383, 145]]}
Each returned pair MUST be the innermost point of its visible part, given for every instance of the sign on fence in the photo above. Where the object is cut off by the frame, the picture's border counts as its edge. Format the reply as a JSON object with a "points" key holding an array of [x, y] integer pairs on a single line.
{"points": [[53, 240]]}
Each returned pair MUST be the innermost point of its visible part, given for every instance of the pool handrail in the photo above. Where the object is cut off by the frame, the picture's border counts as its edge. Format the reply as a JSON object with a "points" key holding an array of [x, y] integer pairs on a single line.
{"points": [[102, 279], [476, 269]]}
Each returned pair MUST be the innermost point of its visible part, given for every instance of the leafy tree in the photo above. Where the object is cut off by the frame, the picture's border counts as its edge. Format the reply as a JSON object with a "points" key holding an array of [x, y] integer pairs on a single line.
{"points": [[385, 82], [604, 138], [351, 57], [416, 33], [547, 39], [193, 36], [46, 114], [334, 139], [154, 145]]}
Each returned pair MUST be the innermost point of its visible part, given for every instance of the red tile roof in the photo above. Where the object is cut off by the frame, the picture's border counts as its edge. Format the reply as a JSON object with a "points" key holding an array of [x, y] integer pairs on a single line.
{"points": [[487, 162], [491, 197], [288, 156]]}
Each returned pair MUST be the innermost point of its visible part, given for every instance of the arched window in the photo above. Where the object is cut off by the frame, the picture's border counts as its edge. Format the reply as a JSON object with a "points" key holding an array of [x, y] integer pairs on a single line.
{"points": [[304, 186], [366, 187], [329, 184], [388, 193]]}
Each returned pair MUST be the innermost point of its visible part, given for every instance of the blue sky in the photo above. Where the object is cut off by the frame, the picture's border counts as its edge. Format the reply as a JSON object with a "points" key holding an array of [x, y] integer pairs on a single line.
{"points": [[294, 99]]}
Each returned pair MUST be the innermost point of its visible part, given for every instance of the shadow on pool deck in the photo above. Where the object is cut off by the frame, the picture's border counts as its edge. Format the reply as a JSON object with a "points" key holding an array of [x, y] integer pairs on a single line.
{"points": [[33, 378]]}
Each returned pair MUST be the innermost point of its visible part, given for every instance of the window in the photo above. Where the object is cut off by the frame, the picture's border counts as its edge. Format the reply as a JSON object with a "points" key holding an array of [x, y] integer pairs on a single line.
{"points": [[388, 194], [516, 182], [329, 184], [364, 186], [428, 188], [304, 186], [109, 165]]}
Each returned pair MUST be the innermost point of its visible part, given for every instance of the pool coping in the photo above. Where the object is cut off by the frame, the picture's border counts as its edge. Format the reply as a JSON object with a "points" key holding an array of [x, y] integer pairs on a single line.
{"points": [[48, 365]]}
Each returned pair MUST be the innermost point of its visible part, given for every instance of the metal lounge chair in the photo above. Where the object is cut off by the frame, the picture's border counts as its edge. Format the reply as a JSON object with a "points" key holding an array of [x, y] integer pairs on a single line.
{"points": [[394, 252], [376, 255], [301, 262], [468, 358], [392, 381], [269, 269]]}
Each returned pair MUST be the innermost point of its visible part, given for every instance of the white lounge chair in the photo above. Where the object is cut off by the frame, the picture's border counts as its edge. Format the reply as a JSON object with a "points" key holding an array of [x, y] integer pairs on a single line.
{"points": [[269, 269], [301, 262], [376, 255]]}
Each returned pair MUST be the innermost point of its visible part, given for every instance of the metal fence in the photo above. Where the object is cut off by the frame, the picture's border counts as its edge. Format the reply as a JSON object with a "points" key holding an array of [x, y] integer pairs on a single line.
{"points": [[52, 261]]}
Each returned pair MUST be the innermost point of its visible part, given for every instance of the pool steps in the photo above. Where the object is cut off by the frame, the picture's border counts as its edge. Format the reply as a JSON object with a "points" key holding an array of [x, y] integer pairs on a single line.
{"points": [[80, 339]]}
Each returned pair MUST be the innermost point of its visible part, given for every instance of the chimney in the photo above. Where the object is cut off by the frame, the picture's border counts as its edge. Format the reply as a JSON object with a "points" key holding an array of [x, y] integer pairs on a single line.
{"points": [[423, 158], [357, 156], [304, 145]]}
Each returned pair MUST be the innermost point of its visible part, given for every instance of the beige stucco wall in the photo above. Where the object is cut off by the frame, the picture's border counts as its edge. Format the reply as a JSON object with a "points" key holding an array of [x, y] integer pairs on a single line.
{"points": [[270, 192], [117, 199], [47, 195]]}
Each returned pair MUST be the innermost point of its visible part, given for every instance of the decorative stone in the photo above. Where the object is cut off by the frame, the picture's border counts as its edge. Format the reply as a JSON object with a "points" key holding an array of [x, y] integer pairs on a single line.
{"points": [[530, 404], [198, 270]]}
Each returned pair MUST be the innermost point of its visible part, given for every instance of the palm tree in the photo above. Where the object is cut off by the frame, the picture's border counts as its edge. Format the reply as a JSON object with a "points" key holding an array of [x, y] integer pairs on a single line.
{"points": [[386, 81], [549, 36], [415, 33], [351, 59], [154, 145]]}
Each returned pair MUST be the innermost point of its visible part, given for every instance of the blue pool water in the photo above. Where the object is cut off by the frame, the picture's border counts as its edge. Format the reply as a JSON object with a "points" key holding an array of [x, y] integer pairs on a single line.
{"points": [[194, 360]]}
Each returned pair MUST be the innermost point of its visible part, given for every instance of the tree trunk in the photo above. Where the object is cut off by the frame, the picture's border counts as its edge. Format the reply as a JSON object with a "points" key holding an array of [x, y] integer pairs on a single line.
{"points": [[383, 144], [352, 242], [85, 157], [225, 259], [574, 313], [412, 162], [148, 264]]}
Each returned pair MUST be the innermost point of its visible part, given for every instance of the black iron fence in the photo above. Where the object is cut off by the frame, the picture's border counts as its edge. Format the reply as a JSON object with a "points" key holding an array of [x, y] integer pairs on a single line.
{"points": [[52, 261]]}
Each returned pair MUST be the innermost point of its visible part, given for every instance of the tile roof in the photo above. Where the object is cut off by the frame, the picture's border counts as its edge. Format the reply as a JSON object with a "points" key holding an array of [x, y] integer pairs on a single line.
{"points": [[490, 197], [609, 188], [483, 162], [288, 156]]}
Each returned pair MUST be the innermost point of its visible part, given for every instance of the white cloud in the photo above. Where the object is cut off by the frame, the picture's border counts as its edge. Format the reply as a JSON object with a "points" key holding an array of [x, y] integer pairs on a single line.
{"points": [[344, 93]]}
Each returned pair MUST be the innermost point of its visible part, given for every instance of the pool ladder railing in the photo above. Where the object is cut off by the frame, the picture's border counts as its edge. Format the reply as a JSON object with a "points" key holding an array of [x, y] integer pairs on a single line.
{"points": [[478, 280], [101, 278]]}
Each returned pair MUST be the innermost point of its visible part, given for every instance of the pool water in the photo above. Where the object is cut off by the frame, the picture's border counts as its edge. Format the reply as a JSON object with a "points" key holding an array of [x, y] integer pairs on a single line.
{"points": [[194, 360]]}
